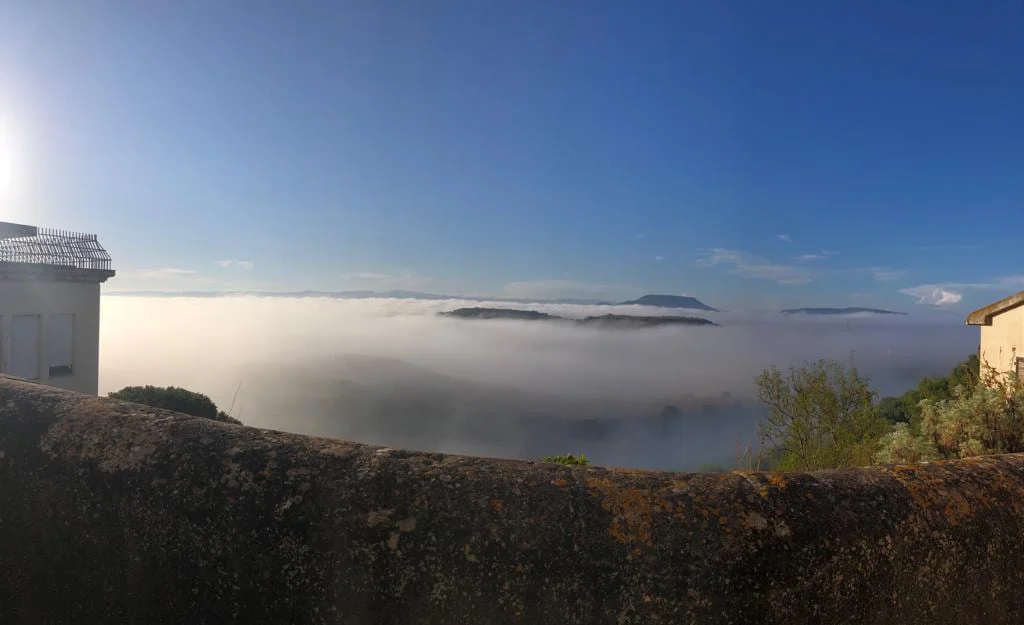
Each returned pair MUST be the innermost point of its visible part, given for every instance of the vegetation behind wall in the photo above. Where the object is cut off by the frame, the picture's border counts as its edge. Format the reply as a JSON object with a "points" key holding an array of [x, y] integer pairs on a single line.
{"points": [[176, 399]]}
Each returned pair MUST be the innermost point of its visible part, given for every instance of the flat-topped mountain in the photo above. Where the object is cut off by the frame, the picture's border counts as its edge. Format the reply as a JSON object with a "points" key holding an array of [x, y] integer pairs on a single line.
{"points": [[839, 311], [670, 301], [618, 321]]}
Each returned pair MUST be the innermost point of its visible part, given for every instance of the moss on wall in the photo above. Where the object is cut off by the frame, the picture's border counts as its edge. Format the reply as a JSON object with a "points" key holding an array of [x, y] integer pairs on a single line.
{"points": [[116, 513]]}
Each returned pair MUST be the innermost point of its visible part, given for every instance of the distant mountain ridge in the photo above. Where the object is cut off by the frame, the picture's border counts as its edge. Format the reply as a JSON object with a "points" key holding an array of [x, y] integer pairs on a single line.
{"points": [[669, 301], [839, 311]]}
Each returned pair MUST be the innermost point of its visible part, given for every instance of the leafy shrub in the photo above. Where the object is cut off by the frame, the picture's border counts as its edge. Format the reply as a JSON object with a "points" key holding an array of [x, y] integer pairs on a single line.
{"points": [[907, 407], [979, 419], [176, 399], [568, 459], [901, 446]]}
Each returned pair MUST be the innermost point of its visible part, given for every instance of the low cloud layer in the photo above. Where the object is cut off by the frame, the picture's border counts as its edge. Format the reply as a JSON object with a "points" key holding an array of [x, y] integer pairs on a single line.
{"points": [[392, 372]]}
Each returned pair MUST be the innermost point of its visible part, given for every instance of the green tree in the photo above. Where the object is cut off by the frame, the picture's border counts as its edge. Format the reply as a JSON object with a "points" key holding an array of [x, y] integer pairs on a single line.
{"points": [[967, 374], [176, 399], [893, 410], [820, 416]]}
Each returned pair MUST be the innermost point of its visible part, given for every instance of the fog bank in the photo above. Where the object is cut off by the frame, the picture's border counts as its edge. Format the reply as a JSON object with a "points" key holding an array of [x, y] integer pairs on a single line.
{"points": [[389, 371]]}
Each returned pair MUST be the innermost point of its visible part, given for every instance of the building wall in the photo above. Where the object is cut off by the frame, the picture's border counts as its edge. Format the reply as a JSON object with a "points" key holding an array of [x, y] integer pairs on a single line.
{"points": [[1003, 341], [50, 297]]}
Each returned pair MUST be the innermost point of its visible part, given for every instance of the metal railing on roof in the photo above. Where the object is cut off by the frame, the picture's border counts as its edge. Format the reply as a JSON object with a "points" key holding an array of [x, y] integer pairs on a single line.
{"points": [[56, 247]]}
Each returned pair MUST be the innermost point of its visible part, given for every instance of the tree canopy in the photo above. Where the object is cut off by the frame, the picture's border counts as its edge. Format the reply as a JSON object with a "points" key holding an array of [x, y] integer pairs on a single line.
{"points": [[824, 415], [821, 415], [176, 399]]}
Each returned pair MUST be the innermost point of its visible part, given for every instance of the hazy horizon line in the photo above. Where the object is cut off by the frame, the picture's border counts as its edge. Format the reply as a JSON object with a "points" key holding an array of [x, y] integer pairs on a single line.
{"points": [[409, 294]]}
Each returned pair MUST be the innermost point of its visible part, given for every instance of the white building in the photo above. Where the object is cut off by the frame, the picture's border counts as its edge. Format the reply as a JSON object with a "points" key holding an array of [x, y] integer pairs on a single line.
{"points": [[50, 305], [1001, 347]]}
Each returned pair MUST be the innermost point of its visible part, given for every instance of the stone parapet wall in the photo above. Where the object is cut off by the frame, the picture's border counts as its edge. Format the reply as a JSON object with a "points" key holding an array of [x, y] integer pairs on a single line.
{"points": [[117, 513]]}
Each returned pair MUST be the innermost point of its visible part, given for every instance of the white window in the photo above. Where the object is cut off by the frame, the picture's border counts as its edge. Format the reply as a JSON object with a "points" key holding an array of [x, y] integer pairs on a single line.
{"points": [[24, 343], [61, 344]]}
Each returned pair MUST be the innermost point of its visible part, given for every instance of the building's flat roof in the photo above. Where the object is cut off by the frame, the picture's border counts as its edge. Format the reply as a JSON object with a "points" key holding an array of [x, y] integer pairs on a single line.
{"points": [[28, 245], [983, 316]]}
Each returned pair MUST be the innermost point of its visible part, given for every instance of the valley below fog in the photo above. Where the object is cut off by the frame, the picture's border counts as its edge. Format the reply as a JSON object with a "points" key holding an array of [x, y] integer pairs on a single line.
{"points": [[394, 372]]}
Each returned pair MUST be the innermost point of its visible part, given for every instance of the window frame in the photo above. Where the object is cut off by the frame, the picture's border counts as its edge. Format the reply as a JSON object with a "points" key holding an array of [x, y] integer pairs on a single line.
{"points": [[60, 370]]}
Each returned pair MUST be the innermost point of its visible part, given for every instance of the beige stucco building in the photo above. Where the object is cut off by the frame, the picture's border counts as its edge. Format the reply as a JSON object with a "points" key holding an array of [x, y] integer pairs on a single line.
{"points": [[50, 305], [1002, 334]]}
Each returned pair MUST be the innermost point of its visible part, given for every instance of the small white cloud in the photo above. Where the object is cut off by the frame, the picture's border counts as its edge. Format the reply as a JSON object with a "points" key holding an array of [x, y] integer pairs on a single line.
{"points": [[174, 271], [795, 281], [750, 266], [882, 274], [236, 264], [370, 275], [823, 254], [163, 272], [659, 258], [948, 293], [785, 238], [933, 295]]}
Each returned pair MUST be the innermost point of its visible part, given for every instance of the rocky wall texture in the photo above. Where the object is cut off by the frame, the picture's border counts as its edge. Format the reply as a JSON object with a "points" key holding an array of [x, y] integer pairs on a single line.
{"points": [[117, 513]]}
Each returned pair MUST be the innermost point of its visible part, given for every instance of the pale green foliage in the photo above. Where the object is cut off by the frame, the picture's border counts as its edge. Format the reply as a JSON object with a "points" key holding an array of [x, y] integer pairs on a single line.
{"points": [[985, 419], [569, 459], [901, 446], [989, 420], [820, 416]]}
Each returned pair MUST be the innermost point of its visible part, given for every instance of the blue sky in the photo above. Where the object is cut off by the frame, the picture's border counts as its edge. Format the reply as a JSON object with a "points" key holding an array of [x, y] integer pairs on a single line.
{"points": [[749, 153]]}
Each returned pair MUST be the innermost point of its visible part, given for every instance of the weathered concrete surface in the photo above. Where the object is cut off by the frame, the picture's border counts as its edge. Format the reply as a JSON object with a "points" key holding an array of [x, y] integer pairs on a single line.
{"points": [[115, 513]]}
